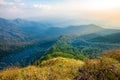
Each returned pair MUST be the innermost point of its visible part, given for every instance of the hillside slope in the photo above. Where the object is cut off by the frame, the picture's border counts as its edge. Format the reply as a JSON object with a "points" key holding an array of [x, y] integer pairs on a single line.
{"points": [[53, 69], [112, 38], [84, 46], [105, 68]]}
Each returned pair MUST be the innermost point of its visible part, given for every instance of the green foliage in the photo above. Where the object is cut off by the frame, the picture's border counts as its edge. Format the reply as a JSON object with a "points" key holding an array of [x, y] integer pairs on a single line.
{"points": [[6, 49], [62, 48], [60, 54], [80, 57], [63, 45], [77, 46]]}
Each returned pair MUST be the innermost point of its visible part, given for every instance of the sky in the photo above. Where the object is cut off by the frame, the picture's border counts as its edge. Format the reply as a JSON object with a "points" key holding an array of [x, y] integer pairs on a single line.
{"points": [[102, 12]]}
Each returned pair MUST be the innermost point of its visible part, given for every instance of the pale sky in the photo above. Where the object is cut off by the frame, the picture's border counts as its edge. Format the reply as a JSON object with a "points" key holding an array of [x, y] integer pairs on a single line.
{"points": [[104, 12]]}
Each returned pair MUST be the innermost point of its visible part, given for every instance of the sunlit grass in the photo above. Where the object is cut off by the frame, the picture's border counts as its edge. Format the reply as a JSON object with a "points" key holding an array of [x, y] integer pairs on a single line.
{"points": [[106, 67], [53, 69]]}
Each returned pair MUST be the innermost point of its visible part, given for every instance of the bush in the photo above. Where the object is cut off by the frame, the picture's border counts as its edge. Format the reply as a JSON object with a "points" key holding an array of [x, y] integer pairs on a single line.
{"points": [[100, 69], [115, 54], [60, 54]]}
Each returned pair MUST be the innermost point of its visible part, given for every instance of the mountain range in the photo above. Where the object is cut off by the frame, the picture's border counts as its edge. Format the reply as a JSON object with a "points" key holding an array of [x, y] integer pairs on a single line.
{"points": [[24, 42]]}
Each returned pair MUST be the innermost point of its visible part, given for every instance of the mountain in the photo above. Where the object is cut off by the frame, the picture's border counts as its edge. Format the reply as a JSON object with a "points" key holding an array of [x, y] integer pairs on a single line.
{"points": [[108, 31], [75, 30], [90, 45], [19, 33], [18, 30], [111, 38], [21, 40]]}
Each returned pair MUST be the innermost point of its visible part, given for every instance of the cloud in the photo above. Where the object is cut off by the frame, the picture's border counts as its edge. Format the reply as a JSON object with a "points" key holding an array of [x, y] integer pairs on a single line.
{"points": [[11, 3], [92, 10], [41, 6], [3, 2]]}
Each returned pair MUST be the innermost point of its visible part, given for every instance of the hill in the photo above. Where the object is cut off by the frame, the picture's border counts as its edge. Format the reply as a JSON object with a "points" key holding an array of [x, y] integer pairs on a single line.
{"points": [[105, 68], [53, 69], [81, 46], [111, 38]]}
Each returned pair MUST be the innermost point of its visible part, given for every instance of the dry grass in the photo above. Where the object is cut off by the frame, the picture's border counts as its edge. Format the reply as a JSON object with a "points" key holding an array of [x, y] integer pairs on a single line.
{"points": [[54, 69], [115, 54], [104, 68], [100, 69]]}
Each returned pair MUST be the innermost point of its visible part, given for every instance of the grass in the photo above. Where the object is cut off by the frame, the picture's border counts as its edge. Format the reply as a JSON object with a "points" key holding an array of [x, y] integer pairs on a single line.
{"points": [[53, 69], [106, 67]]}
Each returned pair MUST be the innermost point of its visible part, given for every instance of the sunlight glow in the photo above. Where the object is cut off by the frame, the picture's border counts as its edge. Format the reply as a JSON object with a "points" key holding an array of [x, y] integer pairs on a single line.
{"points": [[102, 4]]}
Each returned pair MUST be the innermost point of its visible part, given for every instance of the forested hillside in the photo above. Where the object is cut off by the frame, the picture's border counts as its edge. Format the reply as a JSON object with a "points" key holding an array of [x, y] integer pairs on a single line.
{"points": [[23, 42], [105, 68]]}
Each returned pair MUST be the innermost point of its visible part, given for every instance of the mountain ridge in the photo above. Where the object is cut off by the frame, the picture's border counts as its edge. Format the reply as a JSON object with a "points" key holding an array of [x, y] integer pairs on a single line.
{"points": [[18, 36]]}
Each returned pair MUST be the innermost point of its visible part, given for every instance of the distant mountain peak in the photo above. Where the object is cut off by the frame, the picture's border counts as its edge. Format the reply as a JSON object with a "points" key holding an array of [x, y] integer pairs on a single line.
{"points": [[2, 19], [19, 20], [92, 25]]}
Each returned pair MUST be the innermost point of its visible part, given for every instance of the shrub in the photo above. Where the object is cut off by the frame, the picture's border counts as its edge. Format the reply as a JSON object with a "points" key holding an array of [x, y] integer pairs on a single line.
{"points": [[100, 69], [115, 54]]}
